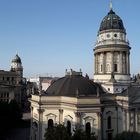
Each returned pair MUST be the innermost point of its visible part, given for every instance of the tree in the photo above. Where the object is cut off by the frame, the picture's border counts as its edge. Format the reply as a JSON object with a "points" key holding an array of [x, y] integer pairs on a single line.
{"points": [[15, 110], [10, 114], [79, 134], [128, 136], [58, 132]]}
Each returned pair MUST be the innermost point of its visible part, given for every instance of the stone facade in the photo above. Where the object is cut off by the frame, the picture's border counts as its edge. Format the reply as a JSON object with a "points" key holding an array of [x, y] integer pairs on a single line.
{"points": [[77, 111], [10, 81]]}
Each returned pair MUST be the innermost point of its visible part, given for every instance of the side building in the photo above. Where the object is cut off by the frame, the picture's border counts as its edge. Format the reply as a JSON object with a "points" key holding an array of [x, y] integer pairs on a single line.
{"points": [[41, 83], [11, 82]]}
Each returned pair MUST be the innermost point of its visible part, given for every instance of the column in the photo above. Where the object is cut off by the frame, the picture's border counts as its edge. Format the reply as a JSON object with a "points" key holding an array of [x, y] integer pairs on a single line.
{"points": [[136, 120], [121, 63], [78, 117], [31, 131], [128, 120], [127, 62], [95, 64], [117, 120], [112, 62], [40, 112], [60, 116], [125, 121], [104, 62], [99, 126]]}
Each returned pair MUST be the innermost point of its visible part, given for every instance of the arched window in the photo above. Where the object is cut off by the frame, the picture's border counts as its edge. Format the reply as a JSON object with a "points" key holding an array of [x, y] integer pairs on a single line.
{"points": [[88, 128], [69, 127], [50, 123], [109, 122]]}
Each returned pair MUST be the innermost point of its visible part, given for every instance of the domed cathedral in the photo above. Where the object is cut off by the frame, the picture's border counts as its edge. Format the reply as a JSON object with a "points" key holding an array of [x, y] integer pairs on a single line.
{"points": [[77, 102], [111, 54]]}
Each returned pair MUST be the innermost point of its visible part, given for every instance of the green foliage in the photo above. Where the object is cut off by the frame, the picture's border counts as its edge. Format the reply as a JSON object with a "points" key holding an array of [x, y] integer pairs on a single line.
{"points": [[60, 132], [15, 110], [128, 136], [9, 113], [79, 134]]}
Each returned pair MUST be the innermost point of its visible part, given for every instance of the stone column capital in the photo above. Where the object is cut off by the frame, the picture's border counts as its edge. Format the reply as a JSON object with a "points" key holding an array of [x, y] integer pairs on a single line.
{"points": [[61, 111], [78, 114], [40, 110], [99, 114]]}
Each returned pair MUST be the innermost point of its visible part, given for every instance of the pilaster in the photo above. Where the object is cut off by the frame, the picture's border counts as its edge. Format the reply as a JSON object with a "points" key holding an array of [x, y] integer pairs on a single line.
{"points": [[104, 62], [99, 125], [60, 116], [112, 62], [136, 120], [121, 63], [127, 62], [40, 112], [95, 63], [78, 118], [31, 131], [128, 120]]}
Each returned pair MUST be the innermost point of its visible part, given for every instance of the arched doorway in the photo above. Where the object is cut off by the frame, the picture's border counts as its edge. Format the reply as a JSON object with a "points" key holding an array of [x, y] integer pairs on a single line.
{"points": [[69, 127], [88, 128], [50, 123]]}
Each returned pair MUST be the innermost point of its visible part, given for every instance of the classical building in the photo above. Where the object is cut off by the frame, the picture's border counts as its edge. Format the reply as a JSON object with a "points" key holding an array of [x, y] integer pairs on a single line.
{"points": [[10, 81], [107, 106]]}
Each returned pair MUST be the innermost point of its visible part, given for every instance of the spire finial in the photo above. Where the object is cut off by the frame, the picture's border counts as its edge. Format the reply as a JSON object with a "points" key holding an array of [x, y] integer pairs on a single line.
{"points": [[16, 52], [110, 5]]}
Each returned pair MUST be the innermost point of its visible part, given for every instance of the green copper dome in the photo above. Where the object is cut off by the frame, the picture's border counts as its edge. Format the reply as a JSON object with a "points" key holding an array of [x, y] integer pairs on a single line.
{"points": [[111, 21]]}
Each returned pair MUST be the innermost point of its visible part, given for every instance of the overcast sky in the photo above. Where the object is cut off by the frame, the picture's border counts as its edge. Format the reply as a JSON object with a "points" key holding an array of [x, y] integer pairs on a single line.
{"points": [[53, 35]]}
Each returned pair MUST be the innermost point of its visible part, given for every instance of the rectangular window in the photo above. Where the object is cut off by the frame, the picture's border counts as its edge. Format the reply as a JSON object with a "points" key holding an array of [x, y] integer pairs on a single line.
{"points": [[101, 68], [8, 78], [7, 95], [115, 68], [12, 78]]}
